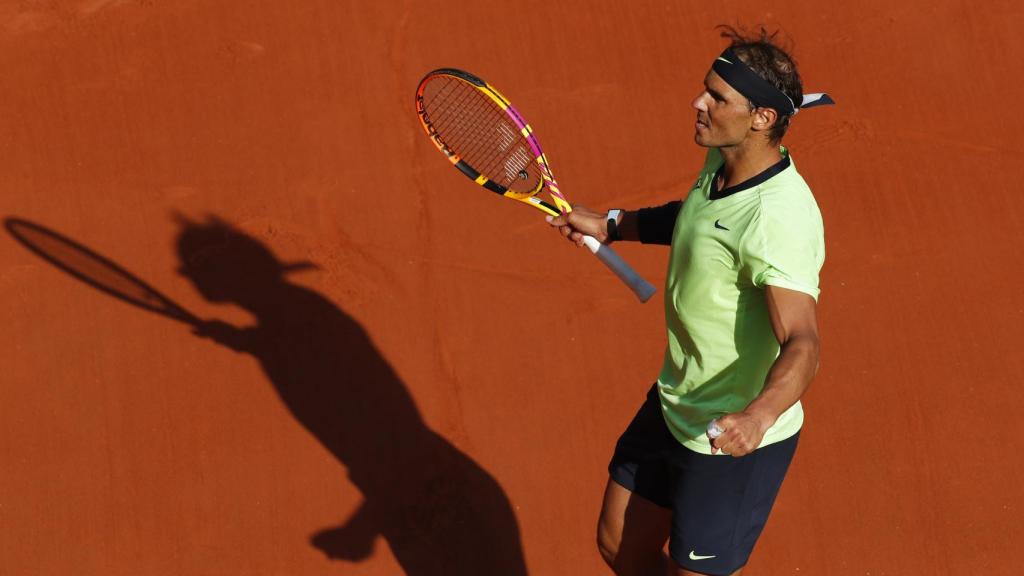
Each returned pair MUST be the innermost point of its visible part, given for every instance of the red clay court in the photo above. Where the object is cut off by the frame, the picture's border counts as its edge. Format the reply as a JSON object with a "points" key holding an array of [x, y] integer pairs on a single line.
{"points": [[436, 365]]}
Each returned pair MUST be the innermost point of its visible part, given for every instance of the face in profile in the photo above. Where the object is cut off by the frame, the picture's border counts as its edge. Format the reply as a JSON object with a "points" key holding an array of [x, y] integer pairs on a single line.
{"points": [[724, 117]]}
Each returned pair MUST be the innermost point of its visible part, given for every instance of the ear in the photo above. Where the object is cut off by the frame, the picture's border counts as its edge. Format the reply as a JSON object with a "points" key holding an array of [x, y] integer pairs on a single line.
{"points": [[764, 118]]}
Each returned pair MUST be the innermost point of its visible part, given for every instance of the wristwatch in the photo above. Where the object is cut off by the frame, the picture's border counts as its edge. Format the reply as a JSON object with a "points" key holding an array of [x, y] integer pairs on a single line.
{"points": [[613, 225]]}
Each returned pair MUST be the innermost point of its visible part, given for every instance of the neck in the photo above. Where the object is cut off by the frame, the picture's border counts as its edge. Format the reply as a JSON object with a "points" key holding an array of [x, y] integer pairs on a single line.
{"points": [[746, 160], [263, 300]]}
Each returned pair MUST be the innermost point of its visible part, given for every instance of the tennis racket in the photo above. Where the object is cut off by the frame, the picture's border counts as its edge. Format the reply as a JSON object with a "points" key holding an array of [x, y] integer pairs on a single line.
{"points": [[487, 139]]}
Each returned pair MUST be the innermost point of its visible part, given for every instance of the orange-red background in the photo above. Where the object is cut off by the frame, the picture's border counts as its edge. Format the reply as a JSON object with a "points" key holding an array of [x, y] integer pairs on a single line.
{"points": [[129, 446]]}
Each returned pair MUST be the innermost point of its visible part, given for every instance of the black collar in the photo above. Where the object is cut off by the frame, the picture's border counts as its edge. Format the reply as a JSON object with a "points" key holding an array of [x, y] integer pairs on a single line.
{"points": [[749, 182]]}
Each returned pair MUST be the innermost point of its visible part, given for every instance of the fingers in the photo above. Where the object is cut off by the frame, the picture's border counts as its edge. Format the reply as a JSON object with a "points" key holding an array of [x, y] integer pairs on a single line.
{"points": [[722, 444], [733, 435], [564, 223], [732, 443], [573, 236], [588, 223], [558, 221]]}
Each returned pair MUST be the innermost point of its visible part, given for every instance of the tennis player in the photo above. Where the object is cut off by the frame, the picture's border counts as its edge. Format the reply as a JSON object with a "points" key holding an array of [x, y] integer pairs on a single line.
{"points": [[747, 245]]}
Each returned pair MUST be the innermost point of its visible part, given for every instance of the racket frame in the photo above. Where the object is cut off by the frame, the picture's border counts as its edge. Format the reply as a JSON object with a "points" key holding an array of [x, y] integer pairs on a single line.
{"points": [[547, 177]]}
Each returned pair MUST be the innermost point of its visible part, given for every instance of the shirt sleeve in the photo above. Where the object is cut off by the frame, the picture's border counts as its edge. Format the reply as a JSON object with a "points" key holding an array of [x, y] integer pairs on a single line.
{"points": [[655, 225], [785, 246]]}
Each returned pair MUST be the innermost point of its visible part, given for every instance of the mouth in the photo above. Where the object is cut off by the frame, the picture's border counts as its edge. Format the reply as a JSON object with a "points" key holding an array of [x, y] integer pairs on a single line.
{"points": [[701, 125]]}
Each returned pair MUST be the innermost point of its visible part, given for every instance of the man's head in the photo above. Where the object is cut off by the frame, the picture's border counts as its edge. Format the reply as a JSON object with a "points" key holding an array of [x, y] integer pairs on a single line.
{"points": [[727, 117], [226, 264]]}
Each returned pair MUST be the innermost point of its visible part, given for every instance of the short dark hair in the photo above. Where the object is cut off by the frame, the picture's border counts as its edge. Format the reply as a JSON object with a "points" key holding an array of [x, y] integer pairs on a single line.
{"points": [[763, 54]]}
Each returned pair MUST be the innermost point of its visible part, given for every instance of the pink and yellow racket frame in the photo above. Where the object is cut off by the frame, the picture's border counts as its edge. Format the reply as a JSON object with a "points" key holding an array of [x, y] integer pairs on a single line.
{"points": [[529, 196]]}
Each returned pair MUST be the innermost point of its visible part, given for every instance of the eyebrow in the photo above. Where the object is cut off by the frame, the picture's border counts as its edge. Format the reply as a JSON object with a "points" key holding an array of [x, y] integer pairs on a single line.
{"points": [[714, 93]]}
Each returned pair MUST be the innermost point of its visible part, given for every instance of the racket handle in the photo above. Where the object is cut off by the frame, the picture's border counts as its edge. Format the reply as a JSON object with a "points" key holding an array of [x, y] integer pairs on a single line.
{"points": [[616, 264]]}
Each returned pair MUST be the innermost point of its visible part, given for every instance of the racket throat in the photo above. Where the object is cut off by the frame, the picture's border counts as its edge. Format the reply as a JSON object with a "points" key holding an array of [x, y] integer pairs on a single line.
{"points": [[479, 178]]}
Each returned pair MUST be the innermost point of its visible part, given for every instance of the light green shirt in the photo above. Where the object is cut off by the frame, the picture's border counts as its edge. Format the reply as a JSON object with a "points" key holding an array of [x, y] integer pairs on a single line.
{"points": [[724, 252]]}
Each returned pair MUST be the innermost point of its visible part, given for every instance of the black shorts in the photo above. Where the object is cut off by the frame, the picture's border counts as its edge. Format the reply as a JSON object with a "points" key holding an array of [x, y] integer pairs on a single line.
{"points": [[719, 503]]}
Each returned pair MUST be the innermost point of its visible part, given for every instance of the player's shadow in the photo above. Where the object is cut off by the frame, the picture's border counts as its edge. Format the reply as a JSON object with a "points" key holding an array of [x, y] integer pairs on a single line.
{"points": [[439, 511]]}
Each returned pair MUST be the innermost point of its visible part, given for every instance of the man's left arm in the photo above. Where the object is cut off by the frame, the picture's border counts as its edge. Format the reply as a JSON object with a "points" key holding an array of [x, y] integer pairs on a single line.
{"points": [[795, 323]]}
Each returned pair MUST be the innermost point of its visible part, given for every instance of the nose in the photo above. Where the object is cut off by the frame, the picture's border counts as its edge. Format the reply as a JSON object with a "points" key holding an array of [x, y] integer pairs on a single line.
{"points": [[700, 102]]}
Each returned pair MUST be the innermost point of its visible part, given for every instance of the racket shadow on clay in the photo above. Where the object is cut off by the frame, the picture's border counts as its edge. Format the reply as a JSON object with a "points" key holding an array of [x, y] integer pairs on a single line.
{"points": [[95, 270], [440, 512]]}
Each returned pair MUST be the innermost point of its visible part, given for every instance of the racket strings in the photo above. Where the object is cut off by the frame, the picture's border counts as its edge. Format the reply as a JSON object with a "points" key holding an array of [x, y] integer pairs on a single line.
{"points": [[471, 121], [473, 126], [442, 103], [497, 144], [442, 107], [445, 124]]}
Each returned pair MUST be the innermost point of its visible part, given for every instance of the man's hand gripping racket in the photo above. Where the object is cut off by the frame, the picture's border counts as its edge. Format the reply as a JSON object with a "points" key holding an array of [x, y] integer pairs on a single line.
{"points": [[480, 133]]}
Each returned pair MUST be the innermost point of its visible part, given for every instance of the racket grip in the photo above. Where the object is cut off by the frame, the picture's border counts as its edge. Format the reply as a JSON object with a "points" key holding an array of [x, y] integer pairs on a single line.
{"points": [[625, 272]]}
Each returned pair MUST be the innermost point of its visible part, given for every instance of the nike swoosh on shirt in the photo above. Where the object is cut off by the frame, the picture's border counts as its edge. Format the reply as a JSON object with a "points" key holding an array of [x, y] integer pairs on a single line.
{"points": [[695, 557], [719, 226]]}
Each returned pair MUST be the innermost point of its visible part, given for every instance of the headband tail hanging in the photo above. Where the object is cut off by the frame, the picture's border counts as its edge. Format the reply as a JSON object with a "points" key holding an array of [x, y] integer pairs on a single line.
{"points": [[816, 99]]}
